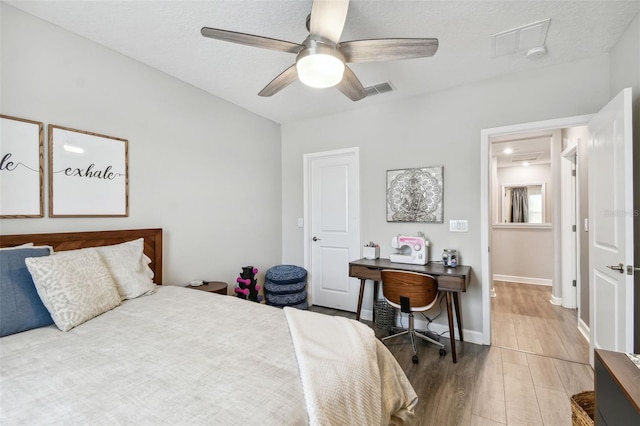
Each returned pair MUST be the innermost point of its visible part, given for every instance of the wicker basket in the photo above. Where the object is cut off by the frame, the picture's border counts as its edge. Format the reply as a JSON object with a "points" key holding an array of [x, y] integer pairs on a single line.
{"points": [[582, 408], [385, 314]]}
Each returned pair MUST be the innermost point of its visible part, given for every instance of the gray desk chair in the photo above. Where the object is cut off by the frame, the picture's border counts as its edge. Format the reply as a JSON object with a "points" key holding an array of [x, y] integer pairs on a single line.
{"points": [[411, 292]]}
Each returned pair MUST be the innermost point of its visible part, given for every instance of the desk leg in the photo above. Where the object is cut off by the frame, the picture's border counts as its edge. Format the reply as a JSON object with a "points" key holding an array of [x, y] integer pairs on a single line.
{"points": [[360, 299], [456, 304], [375, 299], [452, 335]]}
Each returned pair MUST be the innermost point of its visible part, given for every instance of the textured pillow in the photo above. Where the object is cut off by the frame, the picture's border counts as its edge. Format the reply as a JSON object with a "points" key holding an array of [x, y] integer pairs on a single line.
{"points": [[20, 306], [74, 286], [276, 288], [286, 299], [129, 268], [286, 274]]}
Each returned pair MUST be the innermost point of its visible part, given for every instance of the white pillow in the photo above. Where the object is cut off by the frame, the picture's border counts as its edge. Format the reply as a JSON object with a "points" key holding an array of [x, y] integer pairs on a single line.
{"points": [[17, 247], [74, 286], [129, 268]]}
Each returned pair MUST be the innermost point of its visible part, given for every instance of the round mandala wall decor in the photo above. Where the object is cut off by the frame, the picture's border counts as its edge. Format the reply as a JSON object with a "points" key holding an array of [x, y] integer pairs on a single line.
{"points": [[415, 195]]}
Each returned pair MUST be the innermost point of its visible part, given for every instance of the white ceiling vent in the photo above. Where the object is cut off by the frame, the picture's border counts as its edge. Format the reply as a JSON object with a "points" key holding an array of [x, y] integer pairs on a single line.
{"points": [[378, 89], [528, 156], [520, 39]]}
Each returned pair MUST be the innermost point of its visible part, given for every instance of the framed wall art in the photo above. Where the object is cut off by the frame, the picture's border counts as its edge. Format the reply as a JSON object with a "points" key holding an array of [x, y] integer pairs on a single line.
{"points": [[88, 174], [415, 195], [21, 168]]}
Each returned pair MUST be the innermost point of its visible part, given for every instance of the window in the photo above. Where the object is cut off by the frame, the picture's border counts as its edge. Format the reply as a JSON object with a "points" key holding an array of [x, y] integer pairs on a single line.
{"points": [[535, 212]]}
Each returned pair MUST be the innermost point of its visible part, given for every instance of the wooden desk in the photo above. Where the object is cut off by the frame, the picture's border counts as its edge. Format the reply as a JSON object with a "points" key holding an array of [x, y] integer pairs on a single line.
{"points": [[451, 281]]}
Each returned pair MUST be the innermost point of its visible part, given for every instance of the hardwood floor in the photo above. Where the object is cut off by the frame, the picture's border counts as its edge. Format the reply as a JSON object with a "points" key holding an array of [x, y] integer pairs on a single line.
{"points": [[523, 319], [490, 385]]}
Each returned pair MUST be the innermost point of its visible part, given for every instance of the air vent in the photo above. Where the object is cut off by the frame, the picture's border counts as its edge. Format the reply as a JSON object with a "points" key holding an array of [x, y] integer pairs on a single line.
{"points": [[520, 39], [529, 156], [378, 89]]}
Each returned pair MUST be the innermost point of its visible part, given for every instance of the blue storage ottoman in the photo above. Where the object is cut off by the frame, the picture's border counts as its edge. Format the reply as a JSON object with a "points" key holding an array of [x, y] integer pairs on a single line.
{"points": [[285, 285]]}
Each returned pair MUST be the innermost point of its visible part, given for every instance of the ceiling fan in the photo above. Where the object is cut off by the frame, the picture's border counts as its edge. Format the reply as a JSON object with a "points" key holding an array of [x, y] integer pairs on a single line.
{"points": [[321, 58]]}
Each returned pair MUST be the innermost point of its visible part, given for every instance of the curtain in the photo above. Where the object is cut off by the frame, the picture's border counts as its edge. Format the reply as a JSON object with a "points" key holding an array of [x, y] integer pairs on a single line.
{"points": [[519, 204]]}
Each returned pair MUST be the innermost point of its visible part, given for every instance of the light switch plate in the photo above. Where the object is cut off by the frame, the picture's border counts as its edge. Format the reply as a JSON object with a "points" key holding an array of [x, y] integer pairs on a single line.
{"points": [[300, 222], [458, 226]]}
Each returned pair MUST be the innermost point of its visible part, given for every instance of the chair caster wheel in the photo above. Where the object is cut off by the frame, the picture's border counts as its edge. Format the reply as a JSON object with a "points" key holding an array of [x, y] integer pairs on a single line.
{"points": [[443, 352], [415, 359]]}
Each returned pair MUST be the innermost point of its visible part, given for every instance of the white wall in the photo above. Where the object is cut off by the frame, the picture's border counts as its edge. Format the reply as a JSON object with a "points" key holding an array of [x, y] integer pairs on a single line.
{"points": [[205, 170], [439, 128], [523, 254], [521, 251]]}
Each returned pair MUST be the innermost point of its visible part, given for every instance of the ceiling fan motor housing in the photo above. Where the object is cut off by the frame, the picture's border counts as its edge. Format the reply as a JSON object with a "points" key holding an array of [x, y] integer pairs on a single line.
{"points": [[320, 64]]}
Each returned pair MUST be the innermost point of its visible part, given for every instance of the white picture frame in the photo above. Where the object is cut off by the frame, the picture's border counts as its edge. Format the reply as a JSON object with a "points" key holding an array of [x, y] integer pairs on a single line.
{"points": [[88, 174], [21, 168]]}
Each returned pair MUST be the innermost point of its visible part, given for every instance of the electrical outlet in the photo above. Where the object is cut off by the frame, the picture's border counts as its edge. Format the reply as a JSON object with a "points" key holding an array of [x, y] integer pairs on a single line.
{"points": [[458, 226]]}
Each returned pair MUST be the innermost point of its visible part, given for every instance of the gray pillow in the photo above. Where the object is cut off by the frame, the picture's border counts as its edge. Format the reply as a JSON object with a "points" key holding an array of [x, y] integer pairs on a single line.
{"points": [[20, 306], [75, 286]]}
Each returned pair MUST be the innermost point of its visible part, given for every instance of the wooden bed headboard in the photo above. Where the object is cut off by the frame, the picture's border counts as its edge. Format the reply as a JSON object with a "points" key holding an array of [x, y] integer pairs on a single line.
{"points": [[76, 240]]}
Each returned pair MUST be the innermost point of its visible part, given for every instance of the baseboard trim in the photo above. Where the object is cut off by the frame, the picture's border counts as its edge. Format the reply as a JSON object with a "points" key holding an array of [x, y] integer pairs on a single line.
{"points": [[584, 329], [555, 300], [366, 314], [523, 280], [470, 336]]}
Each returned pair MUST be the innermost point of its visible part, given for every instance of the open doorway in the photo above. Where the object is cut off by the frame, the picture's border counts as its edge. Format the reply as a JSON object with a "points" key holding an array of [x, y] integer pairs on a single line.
{"points": [[528, 312], [533, 299]]}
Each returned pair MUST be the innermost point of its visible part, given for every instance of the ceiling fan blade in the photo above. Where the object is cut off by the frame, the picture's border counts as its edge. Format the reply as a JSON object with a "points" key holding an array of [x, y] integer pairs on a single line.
{"points": [[251, 40], [350, 86], [388, 49], [327, 19], [285, 78]]}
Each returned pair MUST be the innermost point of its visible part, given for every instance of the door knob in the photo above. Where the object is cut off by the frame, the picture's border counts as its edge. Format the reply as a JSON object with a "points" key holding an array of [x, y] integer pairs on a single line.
{"points": [[316, 239], [619, 267]]}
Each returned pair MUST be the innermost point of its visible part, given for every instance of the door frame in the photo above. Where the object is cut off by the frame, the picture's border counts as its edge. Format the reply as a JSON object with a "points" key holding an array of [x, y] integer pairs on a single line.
{"points": [[485, 200], [307, 182], [570, 217]]}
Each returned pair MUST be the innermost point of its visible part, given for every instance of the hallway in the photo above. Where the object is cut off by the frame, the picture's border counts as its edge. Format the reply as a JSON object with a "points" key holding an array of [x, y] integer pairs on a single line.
{"points": [[522, 318]]}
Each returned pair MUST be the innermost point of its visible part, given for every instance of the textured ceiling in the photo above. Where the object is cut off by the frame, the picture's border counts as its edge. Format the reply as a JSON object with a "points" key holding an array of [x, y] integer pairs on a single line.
{"points": [[522, 146], [166, 36]]}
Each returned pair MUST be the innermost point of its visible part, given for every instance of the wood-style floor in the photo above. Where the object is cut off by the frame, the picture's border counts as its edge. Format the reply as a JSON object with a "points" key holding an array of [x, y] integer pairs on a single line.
{"points": [[523, 319], [491, 385]]}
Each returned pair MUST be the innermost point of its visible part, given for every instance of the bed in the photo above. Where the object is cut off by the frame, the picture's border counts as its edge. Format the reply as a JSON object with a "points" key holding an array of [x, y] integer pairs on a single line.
{"points": [[177, 356]]}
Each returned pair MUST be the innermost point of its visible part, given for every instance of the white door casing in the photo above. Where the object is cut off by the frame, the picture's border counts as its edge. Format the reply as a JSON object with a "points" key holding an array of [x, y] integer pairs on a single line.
{"points": [[332, 226], [569, 256], [485, 200], [611, 226]]}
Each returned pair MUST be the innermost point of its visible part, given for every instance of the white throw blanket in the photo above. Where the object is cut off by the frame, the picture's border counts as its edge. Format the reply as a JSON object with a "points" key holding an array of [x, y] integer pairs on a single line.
{"points": [[340, 372]]}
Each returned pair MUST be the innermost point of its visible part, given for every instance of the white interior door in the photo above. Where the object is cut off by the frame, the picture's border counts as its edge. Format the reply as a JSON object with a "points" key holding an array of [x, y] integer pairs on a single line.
{"points": [[611, 227], [333, 227]]}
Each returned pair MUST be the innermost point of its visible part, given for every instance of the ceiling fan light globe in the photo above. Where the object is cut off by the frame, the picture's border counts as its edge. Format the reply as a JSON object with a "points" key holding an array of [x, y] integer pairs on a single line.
{"points": [[320, 70]]}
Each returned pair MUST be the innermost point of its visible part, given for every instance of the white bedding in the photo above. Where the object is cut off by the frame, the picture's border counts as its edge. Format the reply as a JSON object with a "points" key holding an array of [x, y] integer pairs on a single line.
{"points": [[338, 353], [177, 357]]}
